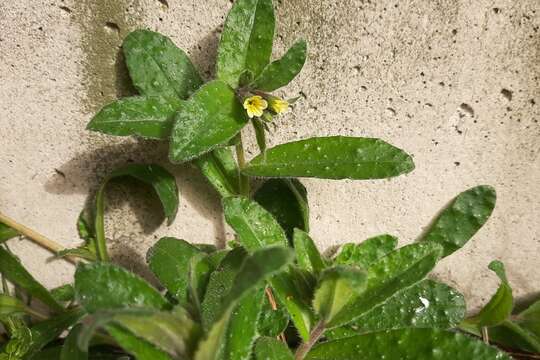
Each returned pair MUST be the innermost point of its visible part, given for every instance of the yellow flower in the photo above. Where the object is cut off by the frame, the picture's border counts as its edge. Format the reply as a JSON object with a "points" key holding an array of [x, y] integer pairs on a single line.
{"points": [[255, 105], [278, 105]]}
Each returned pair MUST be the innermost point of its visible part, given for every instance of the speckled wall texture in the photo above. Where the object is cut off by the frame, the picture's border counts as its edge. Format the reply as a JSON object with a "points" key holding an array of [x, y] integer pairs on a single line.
{"points": [[453, 82]]}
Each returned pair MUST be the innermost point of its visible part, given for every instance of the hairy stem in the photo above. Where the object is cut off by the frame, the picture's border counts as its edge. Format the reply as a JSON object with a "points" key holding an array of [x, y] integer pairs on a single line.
{"points": [[36, 237], [241, 158], [314, 336]]}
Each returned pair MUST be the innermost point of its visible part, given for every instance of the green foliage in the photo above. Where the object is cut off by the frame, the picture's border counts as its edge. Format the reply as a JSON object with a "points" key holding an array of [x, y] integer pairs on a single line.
{"points": [[281, 72], [367, 252], [286, 200], [500, 306], [246, 41], [255, 226], [106, 286], [460, 220], [211, 117], [307, 255], [267, 348], [12, 270], [272, 293], [169, 260], [338, 285], [157, 67], [406, 344], [335, 157], [6, 232]]}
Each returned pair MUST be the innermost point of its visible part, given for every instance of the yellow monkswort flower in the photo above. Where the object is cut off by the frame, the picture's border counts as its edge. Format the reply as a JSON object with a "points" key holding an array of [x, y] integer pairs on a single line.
{"points": [[255, 105], [278, 105]]}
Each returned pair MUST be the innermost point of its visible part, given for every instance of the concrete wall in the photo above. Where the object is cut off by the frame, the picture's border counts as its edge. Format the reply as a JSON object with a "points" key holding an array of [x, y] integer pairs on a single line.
{"points": [[453, 82]]}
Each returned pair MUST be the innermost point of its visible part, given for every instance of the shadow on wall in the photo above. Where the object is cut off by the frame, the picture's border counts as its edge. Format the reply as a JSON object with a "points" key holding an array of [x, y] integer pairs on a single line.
{"points": [[82, 175]]}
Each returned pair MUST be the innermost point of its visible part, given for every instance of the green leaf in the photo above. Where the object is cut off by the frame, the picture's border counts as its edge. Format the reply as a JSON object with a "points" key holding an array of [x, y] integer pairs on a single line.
{"points": [[335, 157], [200, 269], [367, 252], [48, 330], [307, 255], [267, 348], [462, 218], [210, 118], [286, 200], [6, 232], [11, 306], [428, 304], [500, 305], [12, 270], [163, 182], [407, 344], [232, 337], [106, 286], [257, 267], [141, 349], [169, 260], [255, 226], [337, 286], [220, 168], [294, 289], [398, 270], [149, 117], [246, 41], [281, 72], [513, 335], [158, 67], [63, 293], [272, 322], [241, 331], [70, 349], [219, 284], [172, 332], [530, 319]]}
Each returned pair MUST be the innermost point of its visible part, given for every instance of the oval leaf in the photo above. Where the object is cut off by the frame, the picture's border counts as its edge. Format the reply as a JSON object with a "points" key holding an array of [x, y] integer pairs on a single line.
{"points": [[428, 304], [460, 220], [407, 344], [281, 72], [158, 67], [211, 117], [255, 226], [246, 41], [396, 271], [169, 260], [148, 117], [336, 157], [106, 286]]}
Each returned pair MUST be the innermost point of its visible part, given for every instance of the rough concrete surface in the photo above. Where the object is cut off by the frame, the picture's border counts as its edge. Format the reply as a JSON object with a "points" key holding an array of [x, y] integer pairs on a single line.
{"points": [[453, 82]]}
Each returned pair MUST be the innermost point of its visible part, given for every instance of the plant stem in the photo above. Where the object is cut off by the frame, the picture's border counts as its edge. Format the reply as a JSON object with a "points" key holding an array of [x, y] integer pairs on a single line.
{"points": [[240, 157], [99, 223], [314, 336], [39, 239], [485, 334]]}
